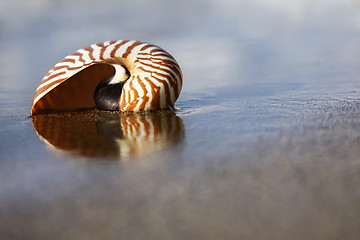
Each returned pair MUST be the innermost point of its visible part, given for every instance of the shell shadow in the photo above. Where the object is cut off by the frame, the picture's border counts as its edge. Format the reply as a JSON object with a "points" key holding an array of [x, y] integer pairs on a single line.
{"points": [[110, 135]]}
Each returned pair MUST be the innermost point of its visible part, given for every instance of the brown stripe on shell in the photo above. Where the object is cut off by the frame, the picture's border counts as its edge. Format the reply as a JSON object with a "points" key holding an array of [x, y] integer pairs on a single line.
{"points": [[135, 92], [155, 91], [80, 56], [166, 89], [157, 50], [90, 50], [146, 47], [130, 48], [102, 51], [67, 68], [69, 60], [53, 76], [117, 46], [145, 97]]}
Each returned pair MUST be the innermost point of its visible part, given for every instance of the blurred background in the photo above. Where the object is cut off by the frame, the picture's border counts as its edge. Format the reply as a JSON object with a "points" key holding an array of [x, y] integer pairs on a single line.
{"points": [[217, 43]]}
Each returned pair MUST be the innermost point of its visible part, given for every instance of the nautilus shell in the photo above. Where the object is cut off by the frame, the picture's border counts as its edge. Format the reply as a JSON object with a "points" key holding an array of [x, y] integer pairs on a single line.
{"points": [[115, 75]]}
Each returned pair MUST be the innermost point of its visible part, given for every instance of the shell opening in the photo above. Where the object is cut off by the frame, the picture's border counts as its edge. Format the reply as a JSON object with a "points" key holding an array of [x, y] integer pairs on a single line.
{"points": [[107, 93]]}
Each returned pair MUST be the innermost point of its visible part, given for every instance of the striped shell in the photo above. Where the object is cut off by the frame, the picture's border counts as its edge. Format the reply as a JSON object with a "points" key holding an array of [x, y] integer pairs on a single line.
{"points": [[155, 78]]}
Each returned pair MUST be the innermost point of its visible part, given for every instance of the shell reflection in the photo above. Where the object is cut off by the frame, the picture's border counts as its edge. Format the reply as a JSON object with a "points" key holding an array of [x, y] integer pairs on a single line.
{"points": [[109, 134]]}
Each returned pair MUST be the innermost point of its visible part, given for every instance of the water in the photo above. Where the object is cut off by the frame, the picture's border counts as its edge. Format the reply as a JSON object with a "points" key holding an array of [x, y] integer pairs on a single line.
{"points": [[265, 144]]}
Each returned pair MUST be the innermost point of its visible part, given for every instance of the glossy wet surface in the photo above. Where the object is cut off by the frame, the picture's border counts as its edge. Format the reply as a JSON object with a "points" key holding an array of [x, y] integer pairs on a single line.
{"points": [[265, 144]]}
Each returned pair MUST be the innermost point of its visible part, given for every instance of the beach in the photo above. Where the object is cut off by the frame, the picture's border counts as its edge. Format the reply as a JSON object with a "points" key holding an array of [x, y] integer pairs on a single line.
{"points": [[263, 144]]}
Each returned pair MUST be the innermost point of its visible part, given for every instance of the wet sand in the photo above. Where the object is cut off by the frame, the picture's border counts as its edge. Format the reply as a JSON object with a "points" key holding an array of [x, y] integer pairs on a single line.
{"points": [[265, 143], [295, 176]]}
